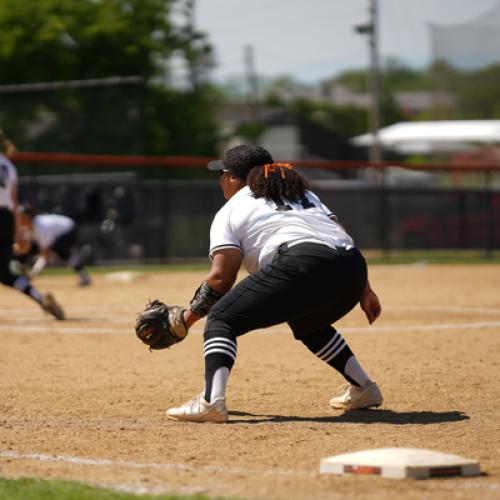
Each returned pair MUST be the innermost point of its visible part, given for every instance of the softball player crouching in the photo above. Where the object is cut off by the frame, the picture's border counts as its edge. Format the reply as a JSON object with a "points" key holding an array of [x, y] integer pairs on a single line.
{"points": [[53, 233], [304, 270]]}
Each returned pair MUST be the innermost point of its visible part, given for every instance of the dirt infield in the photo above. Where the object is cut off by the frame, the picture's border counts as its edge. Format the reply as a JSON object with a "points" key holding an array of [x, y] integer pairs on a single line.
{"points": [[84, 400]]}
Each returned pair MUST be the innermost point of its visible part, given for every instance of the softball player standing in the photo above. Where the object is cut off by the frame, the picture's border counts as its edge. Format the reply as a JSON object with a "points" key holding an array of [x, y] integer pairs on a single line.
{"points": [[9, 233], [304, 270]]}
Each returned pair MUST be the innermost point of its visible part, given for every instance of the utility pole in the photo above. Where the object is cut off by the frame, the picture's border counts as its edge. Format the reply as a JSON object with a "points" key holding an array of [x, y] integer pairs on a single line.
{"points": [[371, 29], [253, 101], [192, 57], [251, 77]]}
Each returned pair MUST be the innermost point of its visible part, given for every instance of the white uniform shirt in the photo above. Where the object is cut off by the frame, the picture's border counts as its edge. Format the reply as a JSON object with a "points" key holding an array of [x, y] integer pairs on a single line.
{"points": [[8, 180], [257, 228], [48, 227]]}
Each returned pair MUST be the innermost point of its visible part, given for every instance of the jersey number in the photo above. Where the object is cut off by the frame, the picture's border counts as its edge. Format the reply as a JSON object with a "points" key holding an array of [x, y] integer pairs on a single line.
{"points": [[281, 207], [4, 175]]}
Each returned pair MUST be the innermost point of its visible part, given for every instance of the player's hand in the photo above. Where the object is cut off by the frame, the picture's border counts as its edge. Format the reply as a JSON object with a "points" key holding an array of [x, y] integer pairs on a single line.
{"points": [[371, 305]]}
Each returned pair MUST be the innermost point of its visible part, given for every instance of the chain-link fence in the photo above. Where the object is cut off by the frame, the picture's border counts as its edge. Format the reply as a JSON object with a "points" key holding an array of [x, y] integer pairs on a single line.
{"points": [[124, 216]]}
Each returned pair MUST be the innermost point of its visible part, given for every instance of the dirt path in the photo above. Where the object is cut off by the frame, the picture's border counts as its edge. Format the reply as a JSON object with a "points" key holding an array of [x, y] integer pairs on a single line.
{"points": [[83, 399]]}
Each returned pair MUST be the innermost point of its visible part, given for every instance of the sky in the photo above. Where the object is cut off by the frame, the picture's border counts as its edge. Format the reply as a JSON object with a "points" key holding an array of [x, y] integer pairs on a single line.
{"points": [[311, 40]]}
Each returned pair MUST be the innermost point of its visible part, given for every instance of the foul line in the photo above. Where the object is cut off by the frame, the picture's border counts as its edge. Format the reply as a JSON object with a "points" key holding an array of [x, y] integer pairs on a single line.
{"points": [[415, 328], [138, 307], [105, 462], [69, 330]]}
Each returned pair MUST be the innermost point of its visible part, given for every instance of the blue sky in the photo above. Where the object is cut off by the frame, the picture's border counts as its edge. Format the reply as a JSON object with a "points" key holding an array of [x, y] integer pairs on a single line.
{"points": [[314, 39]]}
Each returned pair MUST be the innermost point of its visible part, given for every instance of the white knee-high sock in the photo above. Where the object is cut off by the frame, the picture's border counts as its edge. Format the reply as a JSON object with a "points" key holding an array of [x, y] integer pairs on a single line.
{"points": [[219, 383], [355, 371]]}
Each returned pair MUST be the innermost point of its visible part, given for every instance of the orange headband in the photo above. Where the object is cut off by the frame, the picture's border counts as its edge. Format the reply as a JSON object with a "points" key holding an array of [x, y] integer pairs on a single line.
{"points": [[271, 167]]}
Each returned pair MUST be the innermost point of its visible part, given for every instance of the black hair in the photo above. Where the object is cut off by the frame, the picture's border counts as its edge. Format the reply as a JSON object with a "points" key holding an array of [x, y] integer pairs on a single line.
{"points": [[280, 183], [239, 160]]}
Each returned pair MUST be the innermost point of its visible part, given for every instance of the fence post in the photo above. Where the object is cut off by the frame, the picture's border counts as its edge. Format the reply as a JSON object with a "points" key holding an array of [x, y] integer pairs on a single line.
{"points": [[488, 214], [385, 214]]}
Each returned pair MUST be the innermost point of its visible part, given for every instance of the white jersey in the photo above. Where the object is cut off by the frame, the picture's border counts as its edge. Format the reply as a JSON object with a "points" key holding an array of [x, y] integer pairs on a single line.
{"points": [[48, 227], [257, 228], [8, 180]]}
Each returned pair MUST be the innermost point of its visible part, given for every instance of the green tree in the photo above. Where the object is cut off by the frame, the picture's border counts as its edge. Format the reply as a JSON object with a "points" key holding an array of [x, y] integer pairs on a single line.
{"points": [[479, 95], [61, 40], [47, 40]]}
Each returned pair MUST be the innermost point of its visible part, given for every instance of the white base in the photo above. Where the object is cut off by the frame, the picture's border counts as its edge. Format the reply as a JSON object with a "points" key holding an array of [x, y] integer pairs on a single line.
{"points": [[124, 276], [400, 463]]}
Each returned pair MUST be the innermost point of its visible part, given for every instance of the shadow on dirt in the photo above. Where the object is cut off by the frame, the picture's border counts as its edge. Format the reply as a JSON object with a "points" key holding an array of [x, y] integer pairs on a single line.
{"points": [[358, 417]]}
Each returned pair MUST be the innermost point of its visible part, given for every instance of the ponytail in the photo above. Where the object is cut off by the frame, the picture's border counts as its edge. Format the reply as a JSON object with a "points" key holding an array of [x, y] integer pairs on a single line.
{"points": [[277, 181]]}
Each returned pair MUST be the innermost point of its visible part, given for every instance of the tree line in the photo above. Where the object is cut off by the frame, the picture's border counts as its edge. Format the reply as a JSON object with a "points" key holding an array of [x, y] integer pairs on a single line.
{"points": [[64, 40]]}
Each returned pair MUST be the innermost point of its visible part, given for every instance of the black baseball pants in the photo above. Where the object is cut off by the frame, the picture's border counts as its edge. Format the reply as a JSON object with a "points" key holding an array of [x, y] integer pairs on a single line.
{"points": [[309, 286], [64, 244], [7, 227]]}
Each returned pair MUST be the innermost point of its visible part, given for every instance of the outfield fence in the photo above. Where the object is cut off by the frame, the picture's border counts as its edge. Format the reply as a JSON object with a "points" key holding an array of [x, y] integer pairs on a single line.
{"points": [[128, 210]]}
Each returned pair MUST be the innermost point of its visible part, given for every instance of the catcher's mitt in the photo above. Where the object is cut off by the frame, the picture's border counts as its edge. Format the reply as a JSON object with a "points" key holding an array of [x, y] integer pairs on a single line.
{"points": [[160, 326]]}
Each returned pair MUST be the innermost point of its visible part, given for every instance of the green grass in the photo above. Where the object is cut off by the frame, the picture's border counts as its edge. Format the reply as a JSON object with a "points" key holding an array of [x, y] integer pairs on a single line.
{"points": [[373, 257], [143, 268], [38, 489]]}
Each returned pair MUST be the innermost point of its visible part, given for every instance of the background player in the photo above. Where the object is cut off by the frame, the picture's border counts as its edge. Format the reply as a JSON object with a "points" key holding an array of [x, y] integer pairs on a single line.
{"points": [[53, 233], [10, 233], [304, 269]]}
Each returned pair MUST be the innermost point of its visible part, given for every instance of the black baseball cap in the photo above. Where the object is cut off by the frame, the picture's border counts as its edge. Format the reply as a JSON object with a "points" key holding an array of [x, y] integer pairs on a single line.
{"points": [[241, 159]]}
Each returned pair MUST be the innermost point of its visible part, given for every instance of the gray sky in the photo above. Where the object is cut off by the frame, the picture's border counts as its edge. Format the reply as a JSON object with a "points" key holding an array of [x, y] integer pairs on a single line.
{"points": [[314, 39]]}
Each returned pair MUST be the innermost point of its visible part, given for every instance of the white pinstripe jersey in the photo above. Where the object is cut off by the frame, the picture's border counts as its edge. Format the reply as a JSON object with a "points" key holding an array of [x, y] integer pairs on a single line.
{"points": [[8, 180], [257, 227], [48, 227]]}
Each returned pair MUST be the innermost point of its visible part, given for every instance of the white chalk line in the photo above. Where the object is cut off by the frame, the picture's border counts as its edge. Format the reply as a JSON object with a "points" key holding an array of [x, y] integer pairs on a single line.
{"points": [[76, 309], [135, 308], [452, 309], [211, 469], [179, 467], [55, 328], [427, 327], [69, 330], [11, 325]]}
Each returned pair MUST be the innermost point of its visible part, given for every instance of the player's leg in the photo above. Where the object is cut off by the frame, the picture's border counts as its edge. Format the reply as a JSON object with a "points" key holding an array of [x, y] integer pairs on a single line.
{"points": [[301, 282], [20, 282], [307, 281], [294, 284], [66, 248], [253, 303], [328, 344]]}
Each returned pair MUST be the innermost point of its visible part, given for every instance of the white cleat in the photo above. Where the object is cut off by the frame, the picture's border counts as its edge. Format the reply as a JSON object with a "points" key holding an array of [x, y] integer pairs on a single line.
{"points": [[198, 410], [84, 281], [352, 397], [51, 306]]}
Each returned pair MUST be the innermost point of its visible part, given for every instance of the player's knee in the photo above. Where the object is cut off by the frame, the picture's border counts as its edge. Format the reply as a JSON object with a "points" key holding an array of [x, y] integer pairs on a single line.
{"points": [[218, 328]]}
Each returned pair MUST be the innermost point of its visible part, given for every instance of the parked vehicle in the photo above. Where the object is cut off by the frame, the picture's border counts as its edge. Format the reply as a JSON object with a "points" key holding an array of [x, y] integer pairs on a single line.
{"points": [[466, 222]]}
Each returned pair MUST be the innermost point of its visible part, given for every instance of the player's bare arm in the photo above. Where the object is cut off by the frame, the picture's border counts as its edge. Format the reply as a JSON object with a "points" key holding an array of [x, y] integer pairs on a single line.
{"points": [[225, 266]]}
